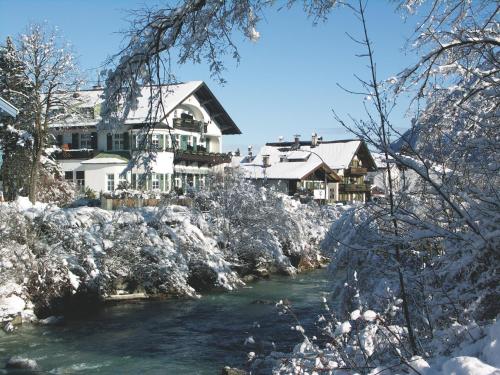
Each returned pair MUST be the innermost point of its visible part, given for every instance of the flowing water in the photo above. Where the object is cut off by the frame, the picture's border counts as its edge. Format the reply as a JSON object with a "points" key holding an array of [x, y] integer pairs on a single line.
{"points": [[175, 336]]}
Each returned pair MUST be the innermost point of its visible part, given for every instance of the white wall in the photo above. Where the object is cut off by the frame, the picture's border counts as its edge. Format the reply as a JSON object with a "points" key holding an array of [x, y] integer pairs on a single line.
{"points": [[95, 175]]}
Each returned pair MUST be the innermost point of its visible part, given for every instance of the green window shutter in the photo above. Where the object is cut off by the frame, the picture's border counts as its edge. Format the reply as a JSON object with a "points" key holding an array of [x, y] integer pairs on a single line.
{"points": [[134, 142], [195, 143], [184, 142], [93, 139], [150, 140], [126, 141], [207, 145], [134, 181], [162, 181], [161, 141], [149, 182], [109, 142], [75, 141]]}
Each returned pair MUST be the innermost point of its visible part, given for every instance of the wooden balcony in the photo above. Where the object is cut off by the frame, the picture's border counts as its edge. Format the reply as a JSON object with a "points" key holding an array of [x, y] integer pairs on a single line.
{"points": [[354, 188], [356, 171], [210, 158], [190, 125], [75, 154]]}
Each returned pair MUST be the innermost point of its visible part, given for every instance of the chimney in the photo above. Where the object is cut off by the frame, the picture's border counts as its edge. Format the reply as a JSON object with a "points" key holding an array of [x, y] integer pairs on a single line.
{"points": [[280, 138], [297, 140], [265, 161], [250, 151], [97, 86], [314, 140]]}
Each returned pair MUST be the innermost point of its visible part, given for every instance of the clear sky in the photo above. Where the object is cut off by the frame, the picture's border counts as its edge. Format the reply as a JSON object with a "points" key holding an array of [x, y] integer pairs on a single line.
{"points": [[286, 82]]}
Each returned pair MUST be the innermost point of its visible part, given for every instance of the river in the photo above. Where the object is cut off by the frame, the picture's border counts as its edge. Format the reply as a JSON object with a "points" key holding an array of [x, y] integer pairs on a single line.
{"points": [[174, 336]]}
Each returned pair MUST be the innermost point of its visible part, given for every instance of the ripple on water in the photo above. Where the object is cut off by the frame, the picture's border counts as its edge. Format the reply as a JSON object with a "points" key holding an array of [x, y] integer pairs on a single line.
{"points": [[175, 336]]}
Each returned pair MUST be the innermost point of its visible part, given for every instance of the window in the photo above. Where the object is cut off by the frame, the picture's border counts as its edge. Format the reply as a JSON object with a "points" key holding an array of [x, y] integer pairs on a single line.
{"points": [[86, 112], [155, 181], [122, 181], [80, 179], [139, 141], [68, 175], [118, 141], [155, 142], [178, 182], [85, 140], [111, 181]]}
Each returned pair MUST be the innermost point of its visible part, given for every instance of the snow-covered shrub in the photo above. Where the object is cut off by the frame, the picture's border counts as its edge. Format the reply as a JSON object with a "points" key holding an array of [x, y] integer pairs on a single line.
{"points": [[452, 290], [260, 229]]}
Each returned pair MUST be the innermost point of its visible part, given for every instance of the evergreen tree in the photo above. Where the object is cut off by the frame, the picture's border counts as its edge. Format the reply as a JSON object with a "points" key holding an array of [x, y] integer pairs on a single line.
{"points": [[14, 134]]}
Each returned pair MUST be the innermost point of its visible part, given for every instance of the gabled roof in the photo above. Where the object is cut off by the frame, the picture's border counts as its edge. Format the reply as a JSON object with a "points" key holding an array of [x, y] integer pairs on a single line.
{"points": [[8, 108], [336, 154], [172, 96], [216, 110]]}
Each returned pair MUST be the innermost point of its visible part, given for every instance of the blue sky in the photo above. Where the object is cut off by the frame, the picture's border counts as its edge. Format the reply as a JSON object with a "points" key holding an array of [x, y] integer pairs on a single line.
{"points": [[285, 84]]}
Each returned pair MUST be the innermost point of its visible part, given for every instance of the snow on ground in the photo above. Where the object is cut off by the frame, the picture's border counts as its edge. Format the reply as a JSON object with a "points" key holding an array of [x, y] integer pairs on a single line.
{"points": [[473, 357]]}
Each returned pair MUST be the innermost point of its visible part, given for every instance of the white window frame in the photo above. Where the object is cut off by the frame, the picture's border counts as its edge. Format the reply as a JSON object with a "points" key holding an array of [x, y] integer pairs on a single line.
{"points": [[110, 181], [118, 141], [80, 181], [122, 178], [178, 182], [86, 140], [155, 141], [155, 181]]}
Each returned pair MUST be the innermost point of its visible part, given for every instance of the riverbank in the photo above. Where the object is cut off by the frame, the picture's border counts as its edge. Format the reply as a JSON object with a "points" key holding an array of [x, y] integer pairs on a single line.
{"points": [[53, 259]]}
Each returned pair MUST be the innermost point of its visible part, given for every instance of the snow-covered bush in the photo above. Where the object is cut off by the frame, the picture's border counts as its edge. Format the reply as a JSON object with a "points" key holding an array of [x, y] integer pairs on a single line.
{"points": [[262, 230]]}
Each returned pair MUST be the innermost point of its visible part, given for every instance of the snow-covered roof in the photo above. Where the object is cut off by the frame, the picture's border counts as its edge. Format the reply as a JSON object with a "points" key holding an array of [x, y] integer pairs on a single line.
{"points": [[172, 97], [108, 158], [286, 170], [286, 161], [380, 160], [335, 154], [8, 108], [298, 155]]}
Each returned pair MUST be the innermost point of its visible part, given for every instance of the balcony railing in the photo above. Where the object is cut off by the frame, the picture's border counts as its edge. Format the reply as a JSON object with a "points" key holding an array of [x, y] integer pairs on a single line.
{"points": [[202, 157], [75, 154], [354, 188], [357, 171], [190, 125]]}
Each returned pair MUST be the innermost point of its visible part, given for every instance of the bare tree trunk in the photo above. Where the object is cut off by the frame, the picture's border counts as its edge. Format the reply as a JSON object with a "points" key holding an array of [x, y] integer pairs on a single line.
{"points": [[35, 162], [34, 174]]}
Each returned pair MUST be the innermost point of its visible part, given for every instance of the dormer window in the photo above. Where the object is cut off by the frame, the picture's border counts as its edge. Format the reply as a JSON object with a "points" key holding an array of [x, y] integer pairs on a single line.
{"points": [[86, 112]]}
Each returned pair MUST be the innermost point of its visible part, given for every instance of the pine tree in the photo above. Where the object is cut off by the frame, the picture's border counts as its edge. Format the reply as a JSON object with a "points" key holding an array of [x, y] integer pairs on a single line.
{"points": [[14, 133]]}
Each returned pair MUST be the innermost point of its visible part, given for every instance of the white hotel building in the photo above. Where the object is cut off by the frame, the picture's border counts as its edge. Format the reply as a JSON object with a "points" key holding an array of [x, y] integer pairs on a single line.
{"points": [[187, 138]]}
